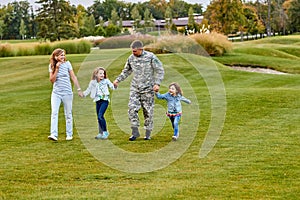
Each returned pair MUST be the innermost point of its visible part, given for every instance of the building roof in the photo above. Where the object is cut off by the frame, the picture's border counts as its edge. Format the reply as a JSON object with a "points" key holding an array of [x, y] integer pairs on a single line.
{"points": [[161, 23]]}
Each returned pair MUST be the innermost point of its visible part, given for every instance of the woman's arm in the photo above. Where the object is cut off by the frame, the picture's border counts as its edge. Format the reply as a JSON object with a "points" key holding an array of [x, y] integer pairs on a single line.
{"points": [[89, 89], [76, 83], [52, 75]]}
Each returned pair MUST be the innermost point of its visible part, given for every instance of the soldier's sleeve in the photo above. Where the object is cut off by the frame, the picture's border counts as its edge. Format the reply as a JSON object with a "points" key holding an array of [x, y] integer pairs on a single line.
{"points": [[158, 70], [125, 72]]}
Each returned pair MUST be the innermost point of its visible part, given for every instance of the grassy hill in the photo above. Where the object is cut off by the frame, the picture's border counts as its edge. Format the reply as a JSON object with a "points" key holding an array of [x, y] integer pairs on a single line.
{"points": [[256, 154]]}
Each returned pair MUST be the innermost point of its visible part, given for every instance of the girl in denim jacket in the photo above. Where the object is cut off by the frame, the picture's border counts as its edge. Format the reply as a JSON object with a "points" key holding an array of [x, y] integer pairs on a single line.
{"points": [[99, 91], [174, 98]]}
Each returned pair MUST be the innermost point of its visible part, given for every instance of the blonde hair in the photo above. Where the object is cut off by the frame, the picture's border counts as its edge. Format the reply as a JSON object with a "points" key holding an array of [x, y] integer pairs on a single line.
{"points": [[95, 72], [177, 87], [53, 56]]}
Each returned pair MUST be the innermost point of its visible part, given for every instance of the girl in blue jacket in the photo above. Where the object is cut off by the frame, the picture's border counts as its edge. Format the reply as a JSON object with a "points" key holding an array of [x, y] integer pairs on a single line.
{"points": [[99, 91], [174, 98]]}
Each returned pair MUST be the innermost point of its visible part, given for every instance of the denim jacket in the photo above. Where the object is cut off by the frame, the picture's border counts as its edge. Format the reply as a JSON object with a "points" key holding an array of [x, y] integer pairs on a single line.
{"points": [[174, 102], [99, 90]]}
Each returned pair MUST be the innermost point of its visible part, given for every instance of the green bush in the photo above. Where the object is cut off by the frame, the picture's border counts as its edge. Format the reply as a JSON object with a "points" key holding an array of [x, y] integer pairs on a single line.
{"points": [[83, 46], [71, 47], [43, 49]]}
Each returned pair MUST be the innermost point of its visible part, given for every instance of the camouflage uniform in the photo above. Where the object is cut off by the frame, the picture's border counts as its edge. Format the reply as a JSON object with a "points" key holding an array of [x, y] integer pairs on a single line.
{"points": [[148, 71]]}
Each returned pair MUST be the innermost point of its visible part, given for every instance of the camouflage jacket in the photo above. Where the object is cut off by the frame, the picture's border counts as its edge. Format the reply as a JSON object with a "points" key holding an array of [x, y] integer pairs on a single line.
{"points": [[147, 71]]}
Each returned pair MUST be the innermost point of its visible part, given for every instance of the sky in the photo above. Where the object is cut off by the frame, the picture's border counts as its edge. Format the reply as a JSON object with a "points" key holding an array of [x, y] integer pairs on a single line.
{"points": [[87, 3]]}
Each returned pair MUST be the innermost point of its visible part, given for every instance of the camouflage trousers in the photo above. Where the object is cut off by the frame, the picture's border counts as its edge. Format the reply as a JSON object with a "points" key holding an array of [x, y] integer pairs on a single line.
{"points": [[136, 102]]}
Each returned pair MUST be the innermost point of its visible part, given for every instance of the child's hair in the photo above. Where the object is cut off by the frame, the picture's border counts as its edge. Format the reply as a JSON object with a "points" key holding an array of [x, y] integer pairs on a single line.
{"points": [[94, 75], [177, 87], [53, 56]]}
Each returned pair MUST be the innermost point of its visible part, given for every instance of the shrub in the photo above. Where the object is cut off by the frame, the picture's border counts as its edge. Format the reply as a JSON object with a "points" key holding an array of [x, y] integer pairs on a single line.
{"points": [[6, 50], [123, 41], [83, 46], [176, 44], [69, 46], [73, 46], [43, 49], [25, 49], [214, 43]]}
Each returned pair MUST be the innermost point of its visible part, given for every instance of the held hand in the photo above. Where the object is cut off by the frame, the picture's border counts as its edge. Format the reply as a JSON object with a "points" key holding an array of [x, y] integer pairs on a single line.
{"points": [[116, 83], [156, 88], [80, 93]]}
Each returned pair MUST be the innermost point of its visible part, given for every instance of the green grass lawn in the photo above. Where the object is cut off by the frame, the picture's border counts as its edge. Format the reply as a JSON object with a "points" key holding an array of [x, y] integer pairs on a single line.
{"points": [[255, 157]]}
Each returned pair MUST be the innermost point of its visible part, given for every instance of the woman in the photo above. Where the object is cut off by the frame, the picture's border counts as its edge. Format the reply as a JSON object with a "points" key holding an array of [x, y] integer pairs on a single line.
{"points": [[60, 73]]}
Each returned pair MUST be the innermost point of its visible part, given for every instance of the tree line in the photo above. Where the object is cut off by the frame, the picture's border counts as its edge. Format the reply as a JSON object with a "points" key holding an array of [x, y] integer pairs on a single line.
{"points": [[58, 19]]}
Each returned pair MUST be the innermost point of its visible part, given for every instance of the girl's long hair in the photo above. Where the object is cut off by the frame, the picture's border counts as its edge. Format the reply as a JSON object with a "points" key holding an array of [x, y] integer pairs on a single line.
{"points": [[53, 60], [178, 89], [94, 75]]}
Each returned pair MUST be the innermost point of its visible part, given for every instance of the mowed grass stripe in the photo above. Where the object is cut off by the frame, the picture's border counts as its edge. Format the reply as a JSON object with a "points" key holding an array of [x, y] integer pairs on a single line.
{"points": [[256, 156]]}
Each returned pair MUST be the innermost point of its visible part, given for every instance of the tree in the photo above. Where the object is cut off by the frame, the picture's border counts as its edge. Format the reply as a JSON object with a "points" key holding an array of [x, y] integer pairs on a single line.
{"points": [[22, 30], [114, 17], [191, 20], [32, 25], [100, 31], [14, 12], [2, 28], [89, 26], [292, 8], [80, 18], [112, 30], [253, 24], [135, 15], [157, 8], [58, 17], [178, 8], [168, 18], [225, 16]]}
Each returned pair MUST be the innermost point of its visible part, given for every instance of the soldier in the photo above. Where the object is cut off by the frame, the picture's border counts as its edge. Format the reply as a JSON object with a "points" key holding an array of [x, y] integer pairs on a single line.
{"points": [[148, 73]]}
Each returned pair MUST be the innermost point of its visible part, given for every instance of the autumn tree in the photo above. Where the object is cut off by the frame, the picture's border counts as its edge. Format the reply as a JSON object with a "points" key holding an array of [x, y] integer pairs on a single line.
{"points": [[253, 24], [225, 16], [292, 10]]}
